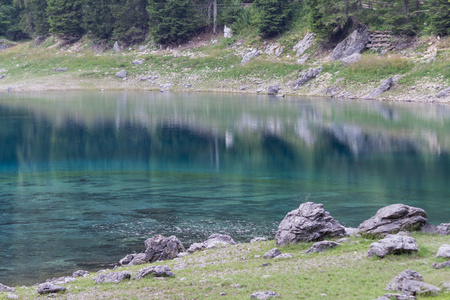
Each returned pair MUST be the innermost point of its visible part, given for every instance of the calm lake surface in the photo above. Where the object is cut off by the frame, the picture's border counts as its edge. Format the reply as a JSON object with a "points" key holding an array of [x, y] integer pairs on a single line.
{"points": [[85, 178]]}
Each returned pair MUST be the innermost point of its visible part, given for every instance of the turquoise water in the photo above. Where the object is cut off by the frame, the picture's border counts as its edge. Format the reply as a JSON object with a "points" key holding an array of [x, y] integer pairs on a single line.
{"points": [[85, 178]]}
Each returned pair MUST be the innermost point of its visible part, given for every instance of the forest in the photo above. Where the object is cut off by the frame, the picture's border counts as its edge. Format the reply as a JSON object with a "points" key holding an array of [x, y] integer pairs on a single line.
{"points": [[171, 22]]}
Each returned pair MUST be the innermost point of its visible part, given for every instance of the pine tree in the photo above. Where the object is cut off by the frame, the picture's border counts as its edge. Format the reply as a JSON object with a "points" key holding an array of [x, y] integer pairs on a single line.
{"points": [[65, 18], [273, 16], [97, 18], [171, 21], [130, 20], [439, 16]]}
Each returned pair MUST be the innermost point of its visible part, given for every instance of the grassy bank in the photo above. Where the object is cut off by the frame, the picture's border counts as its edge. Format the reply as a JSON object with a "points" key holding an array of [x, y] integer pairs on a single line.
{"points": [[214, 65], [237, 271]]}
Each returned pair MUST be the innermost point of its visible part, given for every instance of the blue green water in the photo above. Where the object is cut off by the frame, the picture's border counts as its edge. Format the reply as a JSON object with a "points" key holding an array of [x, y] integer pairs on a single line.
{"points": [[85, 178]]}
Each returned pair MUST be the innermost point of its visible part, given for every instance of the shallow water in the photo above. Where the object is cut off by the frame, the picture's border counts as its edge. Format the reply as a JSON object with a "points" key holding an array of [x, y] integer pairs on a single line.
{"points": [[85, 178]]}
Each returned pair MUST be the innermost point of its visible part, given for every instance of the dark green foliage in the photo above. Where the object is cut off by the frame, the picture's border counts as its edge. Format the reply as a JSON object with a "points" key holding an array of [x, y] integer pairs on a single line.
{"points": [[439, 16], [171, 21], [65, 18], [10, 20], [131, 20], [97, 18], [273, 16]]}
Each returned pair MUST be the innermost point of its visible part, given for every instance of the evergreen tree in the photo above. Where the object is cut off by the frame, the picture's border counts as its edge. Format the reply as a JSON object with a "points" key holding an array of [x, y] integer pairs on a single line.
{"points": [[130, 20], [97, 18], [273, 16], [65, 18], [439, 16], [171, 21]]}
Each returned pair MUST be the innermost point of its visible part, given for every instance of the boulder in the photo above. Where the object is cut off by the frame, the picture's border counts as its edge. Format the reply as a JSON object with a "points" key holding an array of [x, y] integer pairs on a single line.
{"points": [[306, 76], [79, 273], [263, 295], [227, 32], [195, 247], [46, 288], [4, 288], [304, 44], [445, 264], [273, 90], [272, 253], [443, 93], [116, 47], [322, 246], [156, 271], [310, 222], [392, 219], [274, 49], [133, 259], [410, 282], [112, 277], [248, 56], [218, 239], [383, 87], [351, 59], [393, 244], [162, 248], [354, 43], [121, 74], [444, 251], [443, 229], [258, 239]]}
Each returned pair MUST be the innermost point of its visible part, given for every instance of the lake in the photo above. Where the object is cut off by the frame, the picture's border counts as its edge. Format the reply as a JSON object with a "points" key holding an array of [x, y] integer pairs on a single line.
{"points": [[86, 177]]}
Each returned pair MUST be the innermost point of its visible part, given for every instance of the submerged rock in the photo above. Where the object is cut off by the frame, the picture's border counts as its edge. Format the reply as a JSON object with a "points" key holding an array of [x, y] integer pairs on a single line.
{"points": [[310, 222]]}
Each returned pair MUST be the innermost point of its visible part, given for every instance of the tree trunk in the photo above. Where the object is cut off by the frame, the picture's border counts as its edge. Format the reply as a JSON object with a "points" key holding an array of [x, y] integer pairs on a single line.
{"points": [[406, 6], [214, 16]]}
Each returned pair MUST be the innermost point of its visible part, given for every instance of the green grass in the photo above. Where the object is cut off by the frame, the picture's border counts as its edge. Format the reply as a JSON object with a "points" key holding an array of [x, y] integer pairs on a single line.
{"points": [[344, 272]]}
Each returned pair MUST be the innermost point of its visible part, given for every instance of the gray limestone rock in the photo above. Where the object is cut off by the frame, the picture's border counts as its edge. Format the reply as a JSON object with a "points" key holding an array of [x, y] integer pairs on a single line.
{"points": [[248, 56], [272, 253], [274, 49], [116, 47], [306, 76], [273, 90], [61, 69], [383, 87], [443, 229], [397, 282], [162, 248], [112, 277], [156, 271], [2, 76], [429, 229], [284, 256], [445, 264], [392, 219], [121, 74], [227, 32], [393, 244], [410, 282], [195, 247], [321, 246], [444, 93], [61, 280], [46, 288], [2, 70], [258, 239], [304, 44], [396, 297], [79, 273], [4, 288], [351, 59], [165, 86], [444, 251], [445, 285], [310, 222], [133, 259], [354, 43], [137, 62], [218, 239], [263, 295]]}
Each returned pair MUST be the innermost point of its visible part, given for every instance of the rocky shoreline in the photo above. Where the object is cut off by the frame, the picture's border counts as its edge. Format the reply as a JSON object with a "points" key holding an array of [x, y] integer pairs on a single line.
{"points": [[391, 226]]}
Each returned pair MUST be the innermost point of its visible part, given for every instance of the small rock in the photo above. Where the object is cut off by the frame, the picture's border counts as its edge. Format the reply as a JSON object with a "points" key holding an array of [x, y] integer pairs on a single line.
{"points": [[280, 95], [188, 85], [2, 76], [12, 296], [116, 47], [121, 74], [2, 70], [273, 90], [258, 239], [4, 288], [243, 88], [79, 273], [272, 253], [166, 86], [396, 297], [393, 244], [306, 76], [133, 259], [351, 59], [183, 254], [162, 248], [137, 62], [61, 69], [304, 44], [443, 229], [284, 256], [441, 265], [156, 271], [46, 288], [252, 54], [445, 285], [444, 251], [218, 239], [227, 32], [429, 229], [410, 282], [195, 247], [322, 246], [112, 277], [263, 295]]}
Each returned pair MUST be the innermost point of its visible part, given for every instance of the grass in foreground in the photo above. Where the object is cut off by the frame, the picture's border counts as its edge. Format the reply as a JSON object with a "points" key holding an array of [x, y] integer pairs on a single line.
{"points": [[342, 273]]}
